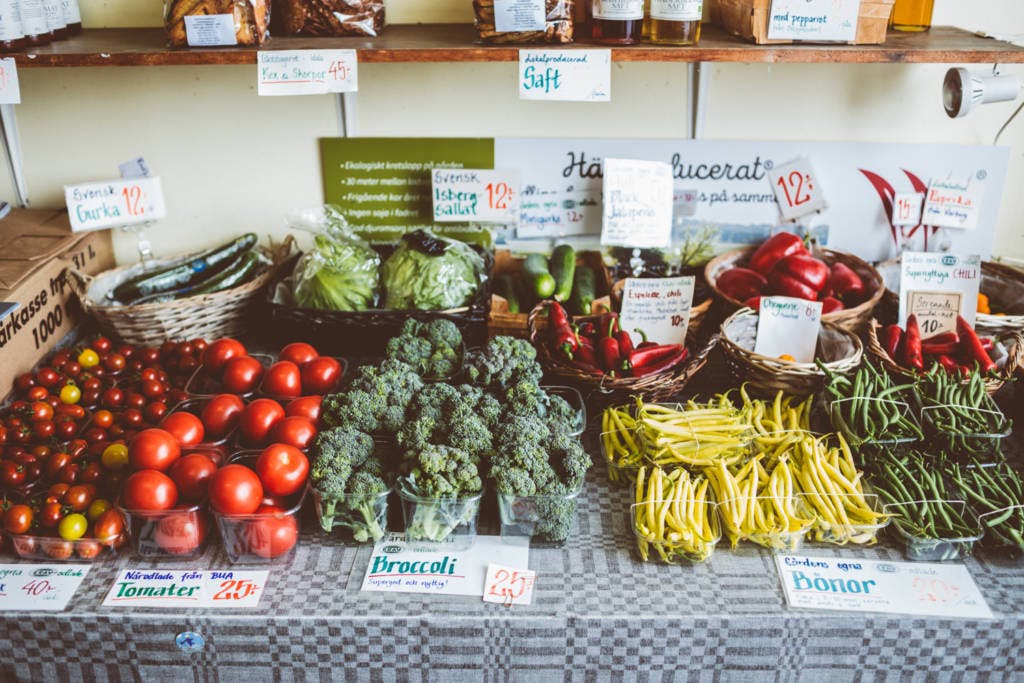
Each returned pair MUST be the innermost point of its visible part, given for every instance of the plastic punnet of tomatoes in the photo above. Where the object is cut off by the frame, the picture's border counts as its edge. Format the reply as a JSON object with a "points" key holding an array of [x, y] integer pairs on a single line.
{"points": [[286, 380], [205, 422], [240, 374], [275, 482], [69, 525], [178, 533]]}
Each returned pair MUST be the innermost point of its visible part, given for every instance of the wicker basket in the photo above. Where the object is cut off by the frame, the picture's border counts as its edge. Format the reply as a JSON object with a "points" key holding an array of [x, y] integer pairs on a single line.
{"points": [[1014, 341], [1004, 287], [227, 313], [838, 348], [659, 387], [852, 319]]}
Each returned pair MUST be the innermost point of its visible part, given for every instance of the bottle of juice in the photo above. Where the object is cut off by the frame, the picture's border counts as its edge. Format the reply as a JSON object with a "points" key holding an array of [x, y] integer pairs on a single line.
{"points": [[674, 22], [617, 22], [912, 15]]}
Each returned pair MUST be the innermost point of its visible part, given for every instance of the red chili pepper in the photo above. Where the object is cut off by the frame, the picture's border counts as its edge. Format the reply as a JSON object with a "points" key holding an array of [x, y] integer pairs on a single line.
{"points": [[893, 337], [945, 337], [787, 285], [625, 343], [753, 302], [774, 249], [587, 329], [652, 354], [606, 320], [845, 283], [644, 343], [585, 352], [912, 355], [805, 269], [563, 338], [609, 350], [971, 346], [987, 344], [933, 348], [662, 365], [830, 304], [949, 365], [741, 283]]}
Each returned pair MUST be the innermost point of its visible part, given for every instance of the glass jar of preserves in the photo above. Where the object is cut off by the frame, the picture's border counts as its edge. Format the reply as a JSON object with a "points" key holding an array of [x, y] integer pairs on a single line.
{"points": [[616, 22], [912, 15], [673, 22]]}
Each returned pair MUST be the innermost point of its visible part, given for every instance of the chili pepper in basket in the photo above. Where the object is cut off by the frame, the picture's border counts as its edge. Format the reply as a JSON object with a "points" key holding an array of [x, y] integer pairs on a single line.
{"points": [[987, 344], [830, 304], [625, 343], [587, 329], [651, 354], [912, 354], [753, 302], [608, 348], [663, 364], [893, 337], [563, 338], [585, 353], [774, 249], [971, 346], [948, 364], [607, 319], [644, 342], [939, 348]]}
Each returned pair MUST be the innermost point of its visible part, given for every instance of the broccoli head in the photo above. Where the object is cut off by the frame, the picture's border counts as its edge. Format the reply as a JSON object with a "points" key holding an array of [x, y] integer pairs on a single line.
{"points": [[375, 400], [446, 415], [337, 453], [504, 362], [433, 349], [436, 471], [349, 482]]}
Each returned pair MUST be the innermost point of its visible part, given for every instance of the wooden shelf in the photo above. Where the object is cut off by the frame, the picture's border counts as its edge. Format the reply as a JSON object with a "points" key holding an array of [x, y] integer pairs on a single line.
{"points": [[456, 43]]}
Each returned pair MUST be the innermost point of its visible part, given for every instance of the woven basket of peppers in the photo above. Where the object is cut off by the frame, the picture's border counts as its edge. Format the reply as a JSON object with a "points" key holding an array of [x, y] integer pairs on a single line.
{"points": [[902, 351], [848, 287], [594, 354]]}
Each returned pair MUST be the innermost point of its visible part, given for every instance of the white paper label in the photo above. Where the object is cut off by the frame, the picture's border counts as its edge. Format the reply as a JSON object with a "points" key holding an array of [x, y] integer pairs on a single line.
{"points": [[509, 586], [179, 589], [906, 208], [206, 30], [637, 210], [306, 72], [480, 195], [519, 15], [952, 204], [658, 306], [859, 585], [94, 206], [10, 21], [813, 20], [10, 88], [135, 168], [677, 10], [43, 587], [545, 213], [619, 9], [72, 13], [567, 75], [931, 277], [397, 567], [787, 326], [54, 14], [685, 202], [797, 189]]}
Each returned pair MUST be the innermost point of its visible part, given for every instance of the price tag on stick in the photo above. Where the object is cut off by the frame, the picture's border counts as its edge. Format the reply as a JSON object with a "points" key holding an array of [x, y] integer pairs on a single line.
{"points": [[797, 189], [480, 195], [306, 72], [906, 208], [509, 586], [787, 326], [10, 88], [658, 306], [953, 204], [112, 204], [936, 287], [637, 209]]}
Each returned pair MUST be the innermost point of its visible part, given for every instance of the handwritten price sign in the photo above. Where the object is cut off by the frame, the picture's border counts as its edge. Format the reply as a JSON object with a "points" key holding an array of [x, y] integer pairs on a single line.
{"points": [[39, 586], [479, 195], [189, 588], [797, 189], [508, 586], [306, 72], [10, 89], [115, 203], [906, 208]]}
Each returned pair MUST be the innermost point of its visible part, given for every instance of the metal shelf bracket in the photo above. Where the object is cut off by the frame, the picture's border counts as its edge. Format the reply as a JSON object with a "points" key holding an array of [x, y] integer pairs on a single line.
{"points": [[347, 114], [12, 150], [698, 77]]}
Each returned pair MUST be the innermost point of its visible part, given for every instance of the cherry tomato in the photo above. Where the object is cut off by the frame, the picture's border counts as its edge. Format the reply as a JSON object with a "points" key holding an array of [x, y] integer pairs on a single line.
{"points": [[282, 469], [70, 394], [47, 377], [90, 397], [56, 462], [58, 491], [91, 473], [294, 431], [18, 519], [97, 508], [67, 429], [73, 411], [40, 411], [73, 527], [135, 400], [38, 393], [91, 383], [69, 473], [185, 427], [153, 449], [221, 413], [72, 369], [191, 474], [78, 498], [50, 515], [102, 344], [108, 527], [180, 534], [149, 490], [115, 362], [153, 388], [24, 381], [88, 358], [150, 356], [321, 376], [115, 456], [217, 354], [44, 430], [95, 435], [284, 379], [242, 375], [154, 412], [12, 475], [103, 419], [87, 549], [235, 490], [258, 418], [273, 534], [299, 353]]}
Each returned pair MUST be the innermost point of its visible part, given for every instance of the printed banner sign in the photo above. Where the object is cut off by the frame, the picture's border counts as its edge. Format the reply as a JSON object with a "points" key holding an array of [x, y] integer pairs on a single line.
{"points": [[115, 203], [42, 587], [179, 589]]}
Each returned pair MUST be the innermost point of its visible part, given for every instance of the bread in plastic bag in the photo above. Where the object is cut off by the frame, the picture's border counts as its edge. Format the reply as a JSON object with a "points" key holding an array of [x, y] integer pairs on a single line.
{"points": [[251, 18], [329, 17], [558, 25]]}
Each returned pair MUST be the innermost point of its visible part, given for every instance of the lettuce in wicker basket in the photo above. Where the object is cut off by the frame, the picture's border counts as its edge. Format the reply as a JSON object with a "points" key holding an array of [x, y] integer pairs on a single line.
{"points": [[340, 272], [431, 273]]}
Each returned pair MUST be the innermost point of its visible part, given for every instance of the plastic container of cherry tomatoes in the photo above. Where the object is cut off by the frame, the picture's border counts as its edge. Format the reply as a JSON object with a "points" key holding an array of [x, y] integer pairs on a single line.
{"points": [[195, 406], [202, 384], [179, 533], [56, 549], [263, 392]]}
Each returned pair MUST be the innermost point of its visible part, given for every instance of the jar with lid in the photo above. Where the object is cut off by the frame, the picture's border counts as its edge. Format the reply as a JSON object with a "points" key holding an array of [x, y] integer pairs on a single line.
{"points": [[673, 22], [616, 22], [12, 37], [33, 22], [912, 15], [54, 11], [73, 16]]}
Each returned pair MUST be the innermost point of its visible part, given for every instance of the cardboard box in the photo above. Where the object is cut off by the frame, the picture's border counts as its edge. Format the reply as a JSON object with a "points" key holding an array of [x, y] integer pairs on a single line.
{"points": [[748, 19], [36, 247]]}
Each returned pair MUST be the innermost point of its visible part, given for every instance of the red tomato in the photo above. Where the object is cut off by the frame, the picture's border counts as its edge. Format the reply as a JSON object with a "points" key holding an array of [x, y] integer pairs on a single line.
{"points": [[242, 375], [273, 535], [217, 354], [153, 449], [149, 490], [220, 415], [283, 379], [235, 490], [102, 344], [307, 407], [50, 515], [108, 527], [185, 427], [321, 376], [299, 353], [115, 362], [40, 411], [282, 469], [294, 431], [47, 377], [12, 474], [180, 534], [155, 411], [87, 549], [258, 418], [192, 475], [18, 519], [103, 419]]}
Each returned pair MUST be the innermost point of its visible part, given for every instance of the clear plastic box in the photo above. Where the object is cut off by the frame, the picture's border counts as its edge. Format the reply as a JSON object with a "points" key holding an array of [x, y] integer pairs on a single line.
{"points": [[963, 445], [284, 400], [262, 537], [440, 523], [195, 406], [855, 439], [202, 385], [54, 548], [574, 398], [839, 533], [668, 552], [362, 518], [942, 549], [180, 533], [778, 540], [546, 519]]}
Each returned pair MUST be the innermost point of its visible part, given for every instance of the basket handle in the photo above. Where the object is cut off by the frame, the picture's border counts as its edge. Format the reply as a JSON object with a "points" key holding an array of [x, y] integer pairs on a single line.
{"points": [[531, 321], [79, 281], [1014, 355]]}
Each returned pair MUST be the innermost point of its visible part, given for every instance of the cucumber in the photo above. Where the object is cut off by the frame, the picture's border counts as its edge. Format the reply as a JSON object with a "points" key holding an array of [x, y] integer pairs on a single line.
{"points": [[538, 279], [236, 274], [563, 267], [506, 288], [187, 274], [584, 286]]}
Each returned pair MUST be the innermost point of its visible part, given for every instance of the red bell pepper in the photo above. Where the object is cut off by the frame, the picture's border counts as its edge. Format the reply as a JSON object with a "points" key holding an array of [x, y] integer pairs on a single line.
{"points": [[585, 352], [666, 363], [753, 302], [608, 350], [741, 283], [971, 346], [773, 250], [830, 304], [806, 270], [785, 285], [607, 319], [912, 355], [845, 283], [893, 337]]}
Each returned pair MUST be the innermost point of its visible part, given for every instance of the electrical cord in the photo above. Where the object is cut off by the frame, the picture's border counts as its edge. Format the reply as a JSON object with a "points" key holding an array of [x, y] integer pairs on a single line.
{"points": [[1008, 122]]}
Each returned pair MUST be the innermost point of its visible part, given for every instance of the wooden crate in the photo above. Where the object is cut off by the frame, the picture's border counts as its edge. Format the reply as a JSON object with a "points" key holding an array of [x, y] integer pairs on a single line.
{"points": [[748, 19]]}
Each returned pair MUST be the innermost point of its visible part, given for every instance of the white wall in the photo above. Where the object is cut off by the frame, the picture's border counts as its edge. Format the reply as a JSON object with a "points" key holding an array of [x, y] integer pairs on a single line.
{"points": [[231, 161]]}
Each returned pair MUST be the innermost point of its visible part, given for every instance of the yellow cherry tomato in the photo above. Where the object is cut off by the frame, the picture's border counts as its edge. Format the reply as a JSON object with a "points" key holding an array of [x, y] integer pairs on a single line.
{"points": [[88, 358], [115, 456], [70, 394], [97, 508], [788, 358], [73, 527]]}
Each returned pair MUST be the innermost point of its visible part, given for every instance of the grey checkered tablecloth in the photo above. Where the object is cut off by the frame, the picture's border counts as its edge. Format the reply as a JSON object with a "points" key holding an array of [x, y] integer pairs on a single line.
{"points": [[598, 614]]}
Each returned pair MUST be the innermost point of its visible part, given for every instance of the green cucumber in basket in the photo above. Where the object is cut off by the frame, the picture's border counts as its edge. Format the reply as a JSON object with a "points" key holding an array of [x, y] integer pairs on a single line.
{"points": [[539, 280], [239, 271], [506, 288], [584, 291], [563, 269], [189, 273]]}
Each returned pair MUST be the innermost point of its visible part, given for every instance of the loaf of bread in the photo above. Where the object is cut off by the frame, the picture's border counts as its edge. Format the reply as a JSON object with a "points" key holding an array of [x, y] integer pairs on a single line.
{"points": [[328, 17], [251, 18], [558, 27]]}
